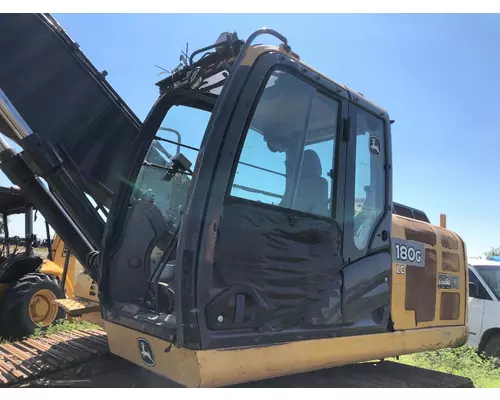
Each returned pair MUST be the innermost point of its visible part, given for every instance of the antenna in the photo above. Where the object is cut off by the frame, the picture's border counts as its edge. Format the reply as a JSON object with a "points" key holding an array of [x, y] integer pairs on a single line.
{"points": [[186, 52], [163, 70]]}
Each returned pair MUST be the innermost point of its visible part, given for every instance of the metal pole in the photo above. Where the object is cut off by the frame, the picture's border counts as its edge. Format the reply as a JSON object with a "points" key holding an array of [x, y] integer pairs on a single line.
{"points": [[65, 270], [18, 171], [3, 144], [49, 241], [9, 113], [28, 229], [43, 159], [6, 234]]}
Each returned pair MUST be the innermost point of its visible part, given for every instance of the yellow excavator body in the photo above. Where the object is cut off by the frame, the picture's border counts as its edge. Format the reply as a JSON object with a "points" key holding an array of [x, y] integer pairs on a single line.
{"points": [[428, 311], [425, 318], [208, 282]]}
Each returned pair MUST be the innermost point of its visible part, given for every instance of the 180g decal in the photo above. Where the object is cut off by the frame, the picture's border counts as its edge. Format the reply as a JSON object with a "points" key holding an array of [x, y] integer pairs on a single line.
{"points": [[408, 252]]}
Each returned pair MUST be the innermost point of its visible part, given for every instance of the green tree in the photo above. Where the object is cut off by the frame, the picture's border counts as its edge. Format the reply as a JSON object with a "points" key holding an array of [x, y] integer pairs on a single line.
{"points": [[495, 251]]}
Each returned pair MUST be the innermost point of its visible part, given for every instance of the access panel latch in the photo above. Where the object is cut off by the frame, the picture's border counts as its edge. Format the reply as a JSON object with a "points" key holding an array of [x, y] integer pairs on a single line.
{"points": [[236, 308]]}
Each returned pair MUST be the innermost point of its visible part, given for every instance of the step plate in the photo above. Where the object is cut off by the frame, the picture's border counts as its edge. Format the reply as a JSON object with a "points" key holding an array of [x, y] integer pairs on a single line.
{"points": [[34, 358], [77, 306]]}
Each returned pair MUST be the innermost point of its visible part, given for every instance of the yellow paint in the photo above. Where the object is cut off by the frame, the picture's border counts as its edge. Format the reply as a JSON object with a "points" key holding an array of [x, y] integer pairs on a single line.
{"points": [[85, 287], [255, 51], [77, 306], [42, 309], [74, 280], [224, 367], [51, 268], [94, 318], [216, 368], [78, 283], [179, 365], [405, 319], [442, 221]]}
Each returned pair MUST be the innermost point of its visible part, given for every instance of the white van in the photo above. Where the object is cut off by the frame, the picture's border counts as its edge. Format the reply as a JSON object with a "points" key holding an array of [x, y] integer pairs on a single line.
{"points": [[484, 306]]}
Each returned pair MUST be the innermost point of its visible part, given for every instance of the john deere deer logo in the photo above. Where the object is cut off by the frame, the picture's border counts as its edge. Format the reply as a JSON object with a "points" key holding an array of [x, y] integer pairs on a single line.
{"points": [[374, 146], [146, 353]]}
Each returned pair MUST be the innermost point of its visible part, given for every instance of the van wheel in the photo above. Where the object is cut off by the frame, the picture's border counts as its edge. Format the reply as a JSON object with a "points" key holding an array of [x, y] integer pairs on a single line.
{"points": [[492, 348]]}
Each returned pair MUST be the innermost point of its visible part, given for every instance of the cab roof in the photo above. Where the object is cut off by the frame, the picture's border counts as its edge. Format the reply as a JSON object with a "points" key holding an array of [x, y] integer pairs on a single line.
{"points": [[213, 64]]}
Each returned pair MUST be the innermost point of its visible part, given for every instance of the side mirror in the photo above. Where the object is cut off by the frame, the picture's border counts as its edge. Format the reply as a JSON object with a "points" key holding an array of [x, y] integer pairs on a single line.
{"points": [[473, 290]]}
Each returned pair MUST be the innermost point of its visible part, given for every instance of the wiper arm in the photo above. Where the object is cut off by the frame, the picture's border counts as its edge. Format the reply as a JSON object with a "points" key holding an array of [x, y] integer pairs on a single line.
{"points": [[169, 169], [177, 143]]}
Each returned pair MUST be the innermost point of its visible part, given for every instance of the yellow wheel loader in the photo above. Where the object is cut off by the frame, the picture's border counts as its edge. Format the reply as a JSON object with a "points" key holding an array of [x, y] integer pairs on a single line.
{"points": [[29, 282], [250, 231], [79, 287], [28, 285]]}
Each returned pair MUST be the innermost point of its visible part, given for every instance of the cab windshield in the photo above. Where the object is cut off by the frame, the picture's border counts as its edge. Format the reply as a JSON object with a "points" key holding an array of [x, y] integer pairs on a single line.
{"points": [[491, 276], [179, 135], [164, 180]]}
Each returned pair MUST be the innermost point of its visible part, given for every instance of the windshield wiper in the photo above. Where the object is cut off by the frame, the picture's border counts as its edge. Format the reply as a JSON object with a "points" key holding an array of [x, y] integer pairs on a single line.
{"points": [[177, 143]]}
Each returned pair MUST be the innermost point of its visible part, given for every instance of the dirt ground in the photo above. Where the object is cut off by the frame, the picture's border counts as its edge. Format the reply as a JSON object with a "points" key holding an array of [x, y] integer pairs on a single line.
{"points": [[113, 372], [102, 372]]}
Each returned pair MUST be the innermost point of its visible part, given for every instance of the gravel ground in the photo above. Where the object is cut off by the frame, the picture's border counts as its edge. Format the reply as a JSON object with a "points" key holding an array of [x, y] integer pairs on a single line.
{"points": [[102, 372], [113, 372]]}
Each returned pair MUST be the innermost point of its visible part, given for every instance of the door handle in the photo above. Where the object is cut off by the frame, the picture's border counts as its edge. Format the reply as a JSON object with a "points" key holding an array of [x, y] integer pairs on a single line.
{"points": [[239, 309]]}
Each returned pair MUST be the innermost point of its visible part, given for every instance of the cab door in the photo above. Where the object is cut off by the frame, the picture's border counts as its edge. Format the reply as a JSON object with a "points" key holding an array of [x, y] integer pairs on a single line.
{"points": [[367, 220], [268, 263]]}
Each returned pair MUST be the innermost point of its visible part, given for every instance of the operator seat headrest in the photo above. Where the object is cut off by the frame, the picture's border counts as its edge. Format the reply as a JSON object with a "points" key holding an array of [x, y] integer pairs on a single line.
{"points": [[311, 165]]}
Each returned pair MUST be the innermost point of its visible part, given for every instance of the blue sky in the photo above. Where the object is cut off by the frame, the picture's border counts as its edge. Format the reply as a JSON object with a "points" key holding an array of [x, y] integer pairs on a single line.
{"points": [[437, 75]]}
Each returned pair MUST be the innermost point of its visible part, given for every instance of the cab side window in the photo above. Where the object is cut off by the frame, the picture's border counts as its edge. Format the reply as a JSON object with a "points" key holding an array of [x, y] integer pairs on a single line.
{"points": [[369, 186], [482, 294], [288, 153]]}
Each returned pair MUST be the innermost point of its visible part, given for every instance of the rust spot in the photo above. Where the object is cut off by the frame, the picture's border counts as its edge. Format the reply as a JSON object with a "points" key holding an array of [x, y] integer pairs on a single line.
{"points": [[460, 341], [448, 241], [450, 306], [450, 262], [421, 288], [419, 232]]}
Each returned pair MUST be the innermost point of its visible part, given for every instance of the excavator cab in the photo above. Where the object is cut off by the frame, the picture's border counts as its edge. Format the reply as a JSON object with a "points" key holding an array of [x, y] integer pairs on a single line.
{"points": [[251, 232], [281, 229], [274, 227]]}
